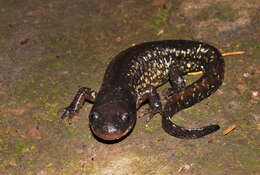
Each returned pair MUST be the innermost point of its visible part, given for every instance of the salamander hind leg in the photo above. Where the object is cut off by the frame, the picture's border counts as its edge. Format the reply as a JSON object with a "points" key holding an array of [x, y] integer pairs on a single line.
{"points": [[177, 82], [84, 94]]}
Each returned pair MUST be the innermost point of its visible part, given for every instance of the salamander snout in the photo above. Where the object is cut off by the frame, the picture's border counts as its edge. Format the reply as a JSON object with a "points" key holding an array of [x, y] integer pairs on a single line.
{"points": [[111, 127]]}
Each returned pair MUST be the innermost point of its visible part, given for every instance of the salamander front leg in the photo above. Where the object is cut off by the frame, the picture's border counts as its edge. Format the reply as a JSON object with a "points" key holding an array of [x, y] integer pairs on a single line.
{"points": [[177, 82], [153, 98], [84, 94]]}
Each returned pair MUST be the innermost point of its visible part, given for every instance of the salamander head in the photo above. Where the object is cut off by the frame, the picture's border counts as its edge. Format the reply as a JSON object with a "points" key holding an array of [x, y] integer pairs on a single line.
{"points": [[113, 120]]}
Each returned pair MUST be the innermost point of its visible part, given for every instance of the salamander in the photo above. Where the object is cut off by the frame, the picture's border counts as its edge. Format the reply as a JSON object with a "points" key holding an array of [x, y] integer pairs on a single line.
{"points": [[132, 78]]}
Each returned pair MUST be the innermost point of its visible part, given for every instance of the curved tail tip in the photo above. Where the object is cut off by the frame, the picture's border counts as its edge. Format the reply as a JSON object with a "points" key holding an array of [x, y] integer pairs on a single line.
{"points": [[197, 133], [190, 133], [212, 128]]}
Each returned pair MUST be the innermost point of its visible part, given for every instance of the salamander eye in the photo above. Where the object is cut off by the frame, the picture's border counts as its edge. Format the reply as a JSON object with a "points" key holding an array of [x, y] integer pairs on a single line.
{"points": [[94, 116], [124, 116]]}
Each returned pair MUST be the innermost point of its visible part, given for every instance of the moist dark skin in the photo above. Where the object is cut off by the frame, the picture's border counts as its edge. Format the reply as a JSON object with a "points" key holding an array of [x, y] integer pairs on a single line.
{"points": [[134, 74]]}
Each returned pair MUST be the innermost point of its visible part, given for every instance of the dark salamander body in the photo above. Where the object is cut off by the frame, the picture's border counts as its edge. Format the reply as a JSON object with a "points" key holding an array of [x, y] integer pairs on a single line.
{"points": [[132, 78]]}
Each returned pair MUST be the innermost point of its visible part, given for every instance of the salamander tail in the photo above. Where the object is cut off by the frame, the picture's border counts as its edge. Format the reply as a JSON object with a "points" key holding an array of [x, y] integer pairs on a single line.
{"points": [[187, 133]]}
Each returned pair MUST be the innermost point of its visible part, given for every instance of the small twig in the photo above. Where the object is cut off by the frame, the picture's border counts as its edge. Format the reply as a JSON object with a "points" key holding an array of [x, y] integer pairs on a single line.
{"points": [[160, 32], [233, 53], [195, 73], [229, 129]]}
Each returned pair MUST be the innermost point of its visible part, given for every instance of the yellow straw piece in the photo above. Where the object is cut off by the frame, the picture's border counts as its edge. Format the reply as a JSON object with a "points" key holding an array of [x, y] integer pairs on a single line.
{"points": [[233, 53], [195, 73], [229, 129]]}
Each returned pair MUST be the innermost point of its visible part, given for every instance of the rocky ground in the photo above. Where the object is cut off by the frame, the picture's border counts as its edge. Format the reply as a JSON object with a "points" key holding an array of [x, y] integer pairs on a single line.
{"points": [[49, 48]]}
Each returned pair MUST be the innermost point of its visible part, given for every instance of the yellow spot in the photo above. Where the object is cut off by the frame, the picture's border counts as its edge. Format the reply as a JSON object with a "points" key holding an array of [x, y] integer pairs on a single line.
{"points": [[93, 94], [154, 76]]}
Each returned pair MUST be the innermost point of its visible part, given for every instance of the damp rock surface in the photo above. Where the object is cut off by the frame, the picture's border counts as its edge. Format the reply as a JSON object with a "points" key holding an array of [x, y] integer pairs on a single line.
{"points": [[50, 48]]}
